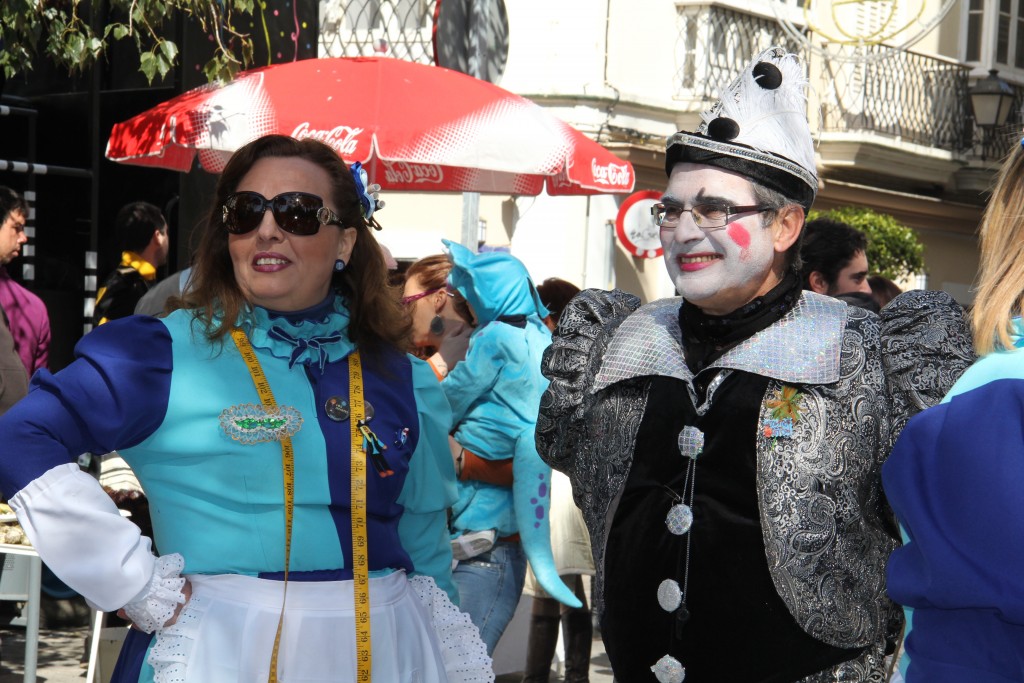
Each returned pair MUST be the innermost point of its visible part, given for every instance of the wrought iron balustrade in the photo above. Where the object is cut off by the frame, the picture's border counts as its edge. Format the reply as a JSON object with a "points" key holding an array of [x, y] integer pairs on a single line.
{"points": [[907, 96], [366, 28], [714, 44]]}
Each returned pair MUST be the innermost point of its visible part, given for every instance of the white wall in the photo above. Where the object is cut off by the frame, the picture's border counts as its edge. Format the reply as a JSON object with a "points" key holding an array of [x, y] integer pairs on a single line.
{"points": [[557, 49]]}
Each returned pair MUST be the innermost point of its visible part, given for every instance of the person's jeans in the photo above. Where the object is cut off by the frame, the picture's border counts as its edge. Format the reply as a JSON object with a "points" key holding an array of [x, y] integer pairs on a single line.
{"points": [[489, 588]]}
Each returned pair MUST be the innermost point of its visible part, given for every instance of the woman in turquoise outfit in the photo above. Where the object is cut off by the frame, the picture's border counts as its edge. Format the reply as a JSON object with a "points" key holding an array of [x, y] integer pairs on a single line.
{"points": [[295, 459]]}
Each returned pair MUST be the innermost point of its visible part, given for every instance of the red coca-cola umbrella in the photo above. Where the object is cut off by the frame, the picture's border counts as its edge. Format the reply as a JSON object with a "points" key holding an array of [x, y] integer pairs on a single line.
{"points": [[413, 127]]}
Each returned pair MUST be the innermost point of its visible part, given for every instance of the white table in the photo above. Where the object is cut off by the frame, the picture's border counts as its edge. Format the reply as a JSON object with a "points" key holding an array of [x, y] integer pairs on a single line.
{"points": [[20, 581]]}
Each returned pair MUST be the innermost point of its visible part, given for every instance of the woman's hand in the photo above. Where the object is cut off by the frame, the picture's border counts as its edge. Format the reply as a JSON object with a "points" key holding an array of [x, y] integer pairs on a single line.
{"points": [[453, 346], [186, 590], [457, 454]]}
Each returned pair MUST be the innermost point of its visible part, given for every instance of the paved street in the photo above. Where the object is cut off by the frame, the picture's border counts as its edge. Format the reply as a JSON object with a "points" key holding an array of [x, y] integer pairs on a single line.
{"points": [[60, 651]]}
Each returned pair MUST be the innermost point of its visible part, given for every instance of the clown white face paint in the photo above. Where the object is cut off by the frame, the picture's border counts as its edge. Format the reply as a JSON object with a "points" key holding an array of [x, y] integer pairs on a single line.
{"points": [[723, 269]]}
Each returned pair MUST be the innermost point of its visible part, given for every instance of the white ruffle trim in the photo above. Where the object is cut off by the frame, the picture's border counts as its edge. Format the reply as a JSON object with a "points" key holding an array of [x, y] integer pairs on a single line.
{"points": [[163, 595], [464, 653], [173, 645]]}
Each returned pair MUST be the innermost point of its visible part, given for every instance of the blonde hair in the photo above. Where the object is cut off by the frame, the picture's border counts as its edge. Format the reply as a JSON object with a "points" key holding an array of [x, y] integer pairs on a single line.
{"points": [[1000, 294]]}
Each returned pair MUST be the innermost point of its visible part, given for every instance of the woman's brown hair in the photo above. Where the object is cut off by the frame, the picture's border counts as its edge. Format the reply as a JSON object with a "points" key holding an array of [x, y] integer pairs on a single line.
{"points": [[376, 314]]}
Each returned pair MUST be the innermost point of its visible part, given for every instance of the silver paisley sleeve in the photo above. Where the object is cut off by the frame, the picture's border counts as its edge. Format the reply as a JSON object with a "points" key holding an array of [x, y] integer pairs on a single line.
{"points": [[571, 362], [926, 346]]}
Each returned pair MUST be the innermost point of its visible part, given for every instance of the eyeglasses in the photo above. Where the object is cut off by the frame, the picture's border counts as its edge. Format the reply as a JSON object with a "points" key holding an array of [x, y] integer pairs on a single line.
{"points": [[299, 213], [705, 216], [406, 300]]}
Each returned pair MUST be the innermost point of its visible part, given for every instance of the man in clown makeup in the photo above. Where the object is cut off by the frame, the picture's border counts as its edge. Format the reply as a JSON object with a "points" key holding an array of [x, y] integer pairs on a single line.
{"points": [[725, 446]]}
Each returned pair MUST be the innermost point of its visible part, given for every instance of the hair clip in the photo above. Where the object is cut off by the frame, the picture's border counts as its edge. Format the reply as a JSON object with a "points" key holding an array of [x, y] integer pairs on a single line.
{"points": [[369, 194]]}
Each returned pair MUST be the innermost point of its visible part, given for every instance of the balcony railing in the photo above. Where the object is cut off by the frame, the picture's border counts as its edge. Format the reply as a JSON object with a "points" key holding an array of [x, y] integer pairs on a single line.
{"points": [[367, 28], [714, 44], [896, 94], [903, 95]]}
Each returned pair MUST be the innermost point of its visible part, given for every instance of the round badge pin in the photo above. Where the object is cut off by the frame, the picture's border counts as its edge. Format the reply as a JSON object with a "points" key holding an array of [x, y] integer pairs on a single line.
{"points": [[337, 409]]}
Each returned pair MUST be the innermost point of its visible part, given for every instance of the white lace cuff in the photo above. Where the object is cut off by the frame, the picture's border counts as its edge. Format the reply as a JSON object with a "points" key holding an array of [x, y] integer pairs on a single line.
{"points": [[161, 597], [464, 653]]}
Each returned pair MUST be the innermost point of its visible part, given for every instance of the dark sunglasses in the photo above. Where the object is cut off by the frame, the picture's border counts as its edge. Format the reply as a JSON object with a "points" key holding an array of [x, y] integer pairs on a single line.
{"points": [[299, 213]]}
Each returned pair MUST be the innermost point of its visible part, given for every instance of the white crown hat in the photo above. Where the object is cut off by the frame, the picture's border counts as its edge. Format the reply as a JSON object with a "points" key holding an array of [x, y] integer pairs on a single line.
{"points": [[758, 129]]}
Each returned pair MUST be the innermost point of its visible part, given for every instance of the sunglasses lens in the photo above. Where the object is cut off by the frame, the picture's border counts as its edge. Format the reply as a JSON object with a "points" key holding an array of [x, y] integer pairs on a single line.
{"points": [[244, 212], [296, 212]]}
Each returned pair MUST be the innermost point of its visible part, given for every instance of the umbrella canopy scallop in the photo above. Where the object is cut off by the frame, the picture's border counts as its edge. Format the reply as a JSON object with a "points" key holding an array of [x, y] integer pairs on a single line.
{"points": [[414, 127]]}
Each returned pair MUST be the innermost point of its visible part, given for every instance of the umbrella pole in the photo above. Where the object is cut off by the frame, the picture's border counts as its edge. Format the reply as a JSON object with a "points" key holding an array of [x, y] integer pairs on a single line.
{"points": [[470, 220], [471, 200]]}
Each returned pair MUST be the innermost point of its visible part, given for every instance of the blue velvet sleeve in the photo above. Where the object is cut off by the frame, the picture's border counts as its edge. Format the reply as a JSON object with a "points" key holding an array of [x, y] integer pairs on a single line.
{"points": [[113, 395], [954, 480], [430, 486]]}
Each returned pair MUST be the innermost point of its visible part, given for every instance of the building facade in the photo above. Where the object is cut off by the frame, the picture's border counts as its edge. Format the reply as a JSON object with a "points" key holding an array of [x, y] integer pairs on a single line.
{"points": [[889, 103]]}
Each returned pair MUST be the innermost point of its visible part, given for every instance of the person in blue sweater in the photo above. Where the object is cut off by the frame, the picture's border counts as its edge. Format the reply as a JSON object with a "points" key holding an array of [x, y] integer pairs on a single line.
{"points": [[295, 459], [495, 395], [955, 478]]}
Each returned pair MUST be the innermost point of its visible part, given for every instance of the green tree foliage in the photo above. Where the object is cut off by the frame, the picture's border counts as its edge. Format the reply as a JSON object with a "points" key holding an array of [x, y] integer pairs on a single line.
{"points": [[893, 249], [62, 31]]}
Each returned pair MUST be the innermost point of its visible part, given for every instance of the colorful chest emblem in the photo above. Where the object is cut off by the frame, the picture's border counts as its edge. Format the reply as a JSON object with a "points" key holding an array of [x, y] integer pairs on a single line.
{"points": [[249, 423], [785, 409]]}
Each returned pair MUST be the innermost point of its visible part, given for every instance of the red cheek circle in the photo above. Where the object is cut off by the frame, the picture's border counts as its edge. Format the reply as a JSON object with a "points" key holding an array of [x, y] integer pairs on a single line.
{"points": [[738, 234]]}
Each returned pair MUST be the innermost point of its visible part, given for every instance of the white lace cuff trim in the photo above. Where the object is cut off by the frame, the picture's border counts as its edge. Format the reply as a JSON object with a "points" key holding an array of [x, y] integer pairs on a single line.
{"points": [[464, 653], [161, 597], [172, 647]]}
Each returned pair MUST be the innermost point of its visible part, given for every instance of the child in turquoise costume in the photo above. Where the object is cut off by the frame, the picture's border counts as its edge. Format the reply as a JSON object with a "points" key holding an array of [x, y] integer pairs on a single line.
{"points": [[495, 394]]}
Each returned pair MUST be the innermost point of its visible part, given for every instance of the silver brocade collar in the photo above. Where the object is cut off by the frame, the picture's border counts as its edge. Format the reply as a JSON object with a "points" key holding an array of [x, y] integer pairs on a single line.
{"points": [[803, 347]]}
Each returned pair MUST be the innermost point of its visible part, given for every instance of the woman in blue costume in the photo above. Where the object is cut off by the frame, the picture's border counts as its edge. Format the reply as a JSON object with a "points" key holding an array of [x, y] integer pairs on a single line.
{"points": [[295, 460], [955, 480], [495, 395]]}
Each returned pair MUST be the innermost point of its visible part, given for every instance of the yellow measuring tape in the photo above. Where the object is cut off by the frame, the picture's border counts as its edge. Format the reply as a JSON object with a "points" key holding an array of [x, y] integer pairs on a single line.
{"points": [[360, 559], [287, 465]]}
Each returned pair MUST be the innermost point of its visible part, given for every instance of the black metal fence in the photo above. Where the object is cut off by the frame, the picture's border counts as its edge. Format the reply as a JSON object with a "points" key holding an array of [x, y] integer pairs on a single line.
{"points": [[900, 94], [896, 94], [714, 44], [365, 28]]}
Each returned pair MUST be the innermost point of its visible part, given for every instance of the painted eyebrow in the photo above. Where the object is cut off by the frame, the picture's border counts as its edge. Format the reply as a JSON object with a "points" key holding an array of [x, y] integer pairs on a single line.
{"points": [[715, 199], [702, 199]]}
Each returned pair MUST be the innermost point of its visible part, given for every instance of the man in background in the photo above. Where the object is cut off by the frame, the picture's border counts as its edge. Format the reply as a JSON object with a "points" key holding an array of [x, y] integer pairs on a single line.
{"points": [[835, 262], [142, 233], [26, 313], [13, 378]]}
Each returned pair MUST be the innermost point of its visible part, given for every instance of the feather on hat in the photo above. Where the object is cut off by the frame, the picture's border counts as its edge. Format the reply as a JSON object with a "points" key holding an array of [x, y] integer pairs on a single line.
{"points": [[758, 129]]}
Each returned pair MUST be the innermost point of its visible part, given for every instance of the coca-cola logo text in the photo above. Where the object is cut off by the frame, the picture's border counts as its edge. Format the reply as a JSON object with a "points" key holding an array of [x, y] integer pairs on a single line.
{"points": [[342, 138], [614, 175], [403, 173]]}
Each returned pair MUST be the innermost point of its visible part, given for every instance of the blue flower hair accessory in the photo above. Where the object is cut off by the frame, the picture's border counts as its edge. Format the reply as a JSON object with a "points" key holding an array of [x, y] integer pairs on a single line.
{"points": [[369, 194]]}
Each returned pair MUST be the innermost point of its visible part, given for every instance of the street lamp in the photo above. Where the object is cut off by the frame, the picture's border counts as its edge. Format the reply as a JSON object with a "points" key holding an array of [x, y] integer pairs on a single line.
{"points": [[991, 99]]}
